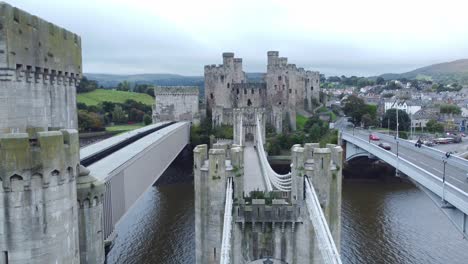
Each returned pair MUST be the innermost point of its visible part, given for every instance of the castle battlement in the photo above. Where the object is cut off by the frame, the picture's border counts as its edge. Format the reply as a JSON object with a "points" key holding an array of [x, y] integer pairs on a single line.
{"points": [[278, 211], [42, 159], [31, 42], [40, 67], [176, 90]]}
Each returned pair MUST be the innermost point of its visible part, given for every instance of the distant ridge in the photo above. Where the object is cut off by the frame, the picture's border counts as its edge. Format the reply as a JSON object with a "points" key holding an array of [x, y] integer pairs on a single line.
{"points": [[447, 72], [112, 80]]}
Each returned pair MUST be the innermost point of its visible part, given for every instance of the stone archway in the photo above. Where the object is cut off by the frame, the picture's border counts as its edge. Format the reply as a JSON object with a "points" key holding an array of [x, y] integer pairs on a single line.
{"points": [[249, 137], [268, 261]]}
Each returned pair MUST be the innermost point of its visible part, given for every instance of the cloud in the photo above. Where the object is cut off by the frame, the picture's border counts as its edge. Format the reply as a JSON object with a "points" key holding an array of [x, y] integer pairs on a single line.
{"points": [[362, 37]]}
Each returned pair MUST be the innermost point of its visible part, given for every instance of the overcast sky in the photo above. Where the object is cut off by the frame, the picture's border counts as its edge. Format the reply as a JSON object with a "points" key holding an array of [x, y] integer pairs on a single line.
{"points": [[360, 37]]}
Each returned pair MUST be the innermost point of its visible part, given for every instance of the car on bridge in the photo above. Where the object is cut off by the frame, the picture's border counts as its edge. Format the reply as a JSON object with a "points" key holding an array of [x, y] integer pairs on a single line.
{"points": [[385, 146], [374, 137]]}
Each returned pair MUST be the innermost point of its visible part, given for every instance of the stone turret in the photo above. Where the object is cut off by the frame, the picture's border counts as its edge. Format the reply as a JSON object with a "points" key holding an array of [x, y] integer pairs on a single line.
{"points": [[90, 195], [39, 213]]}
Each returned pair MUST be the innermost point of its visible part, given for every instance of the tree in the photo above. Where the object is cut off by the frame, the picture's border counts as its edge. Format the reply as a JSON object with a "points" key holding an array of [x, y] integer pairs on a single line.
{"points": [[380, 81], [450, 109], [147, 119], [334, 79], [135, 115], [434, 127], [363, 82], [86, 85], [123, 86], [353, 107], [89, 121], [403, 120], [118, 115], [367, 120], [150, 91]]}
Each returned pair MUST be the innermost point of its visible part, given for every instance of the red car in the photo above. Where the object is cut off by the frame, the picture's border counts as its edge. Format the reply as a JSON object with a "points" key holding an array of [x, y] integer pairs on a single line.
{"points": [[374, 137]]}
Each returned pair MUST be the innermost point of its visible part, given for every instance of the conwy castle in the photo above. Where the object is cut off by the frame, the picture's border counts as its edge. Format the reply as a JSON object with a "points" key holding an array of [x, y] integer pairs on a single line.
{"points": [[284, 90]]}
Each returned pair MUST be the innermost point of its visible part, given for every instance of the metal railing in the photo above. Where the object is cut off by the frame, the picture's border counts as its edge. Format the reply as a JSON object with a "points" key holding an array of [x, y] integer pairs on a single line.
{"points": [[227, 226], [325, 243], [435, 184]]}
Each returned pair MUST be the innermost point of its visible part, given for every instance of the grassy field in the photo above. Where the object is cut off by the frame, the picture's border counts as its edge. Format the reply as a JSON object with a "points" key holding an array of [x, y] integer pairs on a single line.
{"points": [[123, 128], [100, 95], [300, 122]]}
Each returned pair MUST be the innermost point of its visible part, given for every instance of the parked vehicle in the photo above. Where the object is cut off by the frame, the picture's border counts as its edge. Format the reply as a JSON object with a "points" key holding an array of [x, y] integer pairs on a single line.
{"points": [[374, 137], [445, 140], [385, 146], [429, 143]]}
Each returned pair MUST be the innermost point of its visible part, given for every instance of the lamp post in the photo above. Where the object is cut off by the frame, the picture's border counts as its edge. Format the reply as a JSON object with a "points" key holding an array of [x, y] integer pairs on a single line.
{"points": [[397, 123], [443, 181]]}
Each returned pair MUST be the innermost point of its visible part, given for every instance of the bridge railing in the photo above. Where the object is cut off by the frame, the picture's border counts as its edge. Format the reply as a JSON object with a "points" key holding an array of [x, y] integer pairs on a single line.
{"points": [[449, 192], [432, 152], [325, 242], [227, 226]]}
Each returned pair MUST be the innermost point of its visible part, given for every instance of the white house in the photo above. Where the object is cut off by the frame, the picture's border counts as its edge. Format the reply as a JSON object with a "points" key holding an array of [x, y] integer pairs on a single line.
{"points": [[409, 107]]}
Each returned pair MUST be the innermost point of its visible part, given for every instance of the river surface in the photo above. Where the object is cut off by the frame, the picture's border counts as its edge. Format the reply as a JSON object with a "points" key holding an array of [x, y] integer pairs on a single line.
{"points": [[382, 222]]}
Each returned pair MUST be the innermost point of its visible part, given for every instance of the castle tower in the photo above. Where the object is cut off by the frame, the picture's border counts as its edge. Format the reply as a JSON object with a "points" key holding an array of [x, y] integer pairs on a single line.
{"points": [[42, 220], [219, 81], [210, 194], [38, 212], [280, 80], [40, 67]]}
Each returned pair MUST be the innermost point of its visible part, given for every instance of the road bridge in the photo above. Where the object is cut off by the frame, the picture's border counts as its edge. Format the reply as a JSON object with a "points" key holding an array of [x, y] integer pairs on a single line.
{"points": [[443, 177], [130, 170]]}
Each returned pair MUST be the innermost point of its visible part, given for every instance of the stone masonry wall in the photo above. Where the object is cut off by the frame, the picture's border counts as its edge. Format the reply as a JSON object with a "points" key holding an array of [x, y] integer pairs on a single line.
{"points": [[176, 104], [38, 208], [40, 67]]}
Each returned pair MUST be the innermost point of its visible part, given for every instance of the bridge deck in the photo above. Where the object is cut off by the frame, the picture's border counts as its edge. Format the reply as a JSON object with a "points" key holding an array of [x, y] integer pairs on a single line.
{"points": [[454, 175], [112, 141], [254, 179], [426, 167], [130, 171]]}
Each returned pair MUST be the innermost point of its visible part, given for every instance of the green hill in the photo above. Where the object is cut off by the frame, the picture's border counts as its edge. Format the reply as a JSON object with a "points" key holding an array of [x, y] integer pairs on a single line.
{"points": [[100, 95], [447, 72]]}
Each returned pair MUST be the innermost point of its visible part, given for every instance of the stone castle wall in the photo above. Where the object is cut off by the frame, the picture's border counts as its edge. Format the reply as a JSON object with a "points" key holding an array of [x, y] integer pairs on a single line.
{"points": [[38, 208], [40, 67], [176, 104]]}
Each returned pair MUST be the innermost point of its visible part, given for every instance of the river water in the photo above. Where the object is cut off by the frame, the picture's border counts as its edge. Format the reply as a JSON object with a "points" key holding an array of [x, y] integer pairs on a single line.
{"points": [[382, 222]]}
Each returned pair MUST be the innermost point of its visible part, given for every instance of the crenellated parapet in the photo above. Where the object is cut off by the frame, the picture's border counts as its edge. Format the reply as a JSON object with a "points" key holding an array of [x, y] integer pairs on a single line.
{"points": [[45, 158], [38, 172], [29, 44], [40, 68]]}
